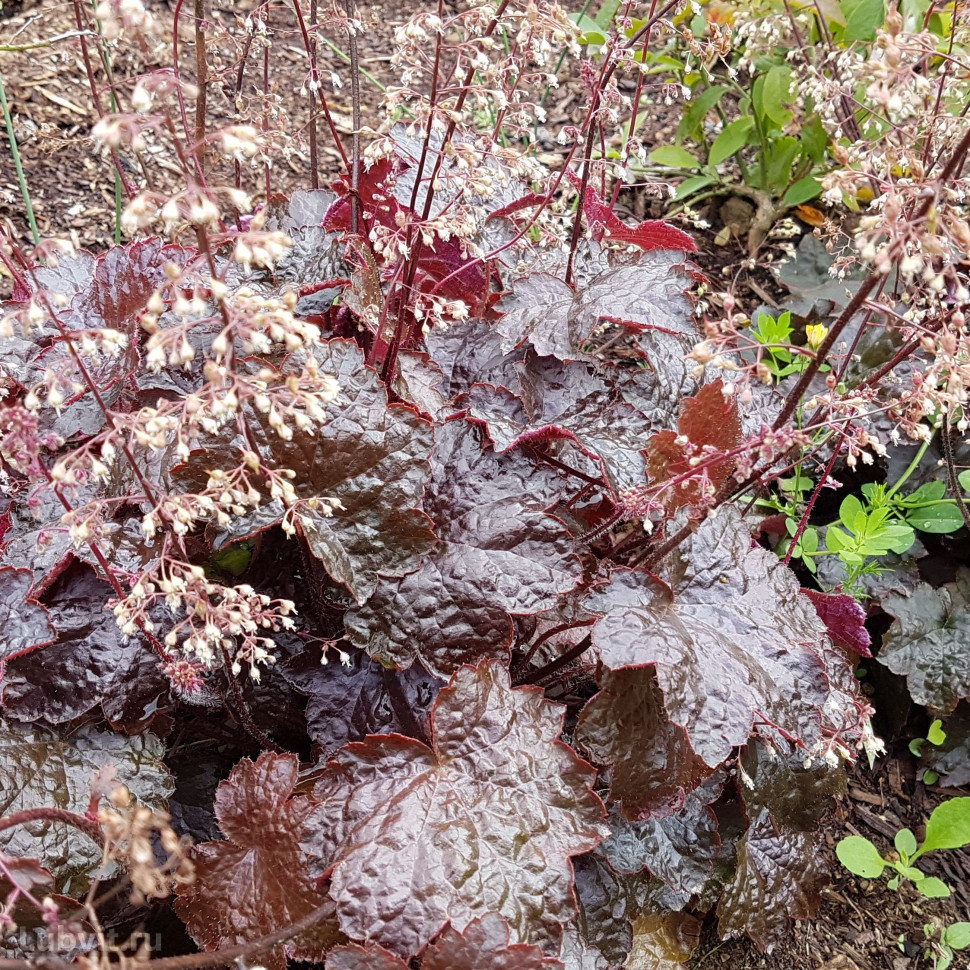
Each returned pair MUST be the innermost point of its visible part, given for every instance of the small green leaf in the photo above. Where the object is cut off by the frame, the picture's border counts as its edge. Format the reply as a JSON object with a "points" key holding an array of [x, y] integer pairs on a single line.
{"points": [[732, 139], [949, 825], [911, 873], [862, 18], [936, 735], [604, 19], [933, 888], [802, 190], [849, 514], [694, 184], [860, 856], [815, 140], [939, 519], [674, 156], [776, 94], [915, 745], [905, 843], [930, 777], [964, 479], [930, 492], [957, 935], [893, 883], [697, 110]]}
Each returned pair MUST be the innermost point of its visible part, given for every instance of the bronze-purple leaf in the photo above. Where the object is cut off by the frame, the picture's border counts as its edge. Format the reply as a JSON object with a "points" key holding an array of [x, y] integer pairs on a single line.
{"points": [[25, 623], [483, 820], [733, 643], [498, 554], [257, 880]]}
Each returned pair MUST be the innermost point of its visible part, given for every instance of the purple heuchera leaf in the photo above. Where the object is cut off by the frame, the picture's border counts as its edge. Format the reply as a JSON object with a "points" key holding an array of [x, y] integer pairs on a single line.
{"points": [[927, 642], [256, 880], [484, 945], [844, 618], [733, 643], [484, 820], [498, 554], [25, 623]]}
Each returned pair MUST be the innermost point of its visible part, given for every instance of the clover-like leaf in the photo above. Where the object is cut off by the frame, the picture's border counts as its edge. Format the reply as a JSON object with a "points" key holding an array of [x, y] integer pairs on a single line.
{"points": [[349, 701], [371, 456], [42, 768], [625, 725], [730, 637], [92, 662], [553, 400], [256, 880], [484, 820], [927, 642], [679, 849], [484, 945], [498, 554], [25, 623]]}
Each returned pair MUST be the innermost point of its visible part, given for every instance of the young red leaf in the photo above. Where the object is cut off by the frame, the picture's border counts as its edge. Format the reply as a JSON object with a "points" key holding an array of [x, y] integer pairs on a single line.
{"points": [[484, 820], [257, 881], [844, 618]]}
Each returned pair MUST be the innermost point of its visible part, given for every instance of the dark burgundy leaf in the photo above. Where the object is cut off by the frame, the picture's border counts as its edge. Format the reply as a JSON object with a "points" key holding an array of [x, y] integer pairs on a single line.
{"points": [[470, 352], [36, 539], [664, 941], [648, 235], [43, 768], [927, 642], [25, 623], [679, 849], [371, 456], [484, 945], [844, 618], [419, 381], [484, 820], [256, 881], [537, 312], [91, 662], [779, 877], [555, 400], [498, 553], [350, 701], [732, 641], [625, 725], [780, 872]]}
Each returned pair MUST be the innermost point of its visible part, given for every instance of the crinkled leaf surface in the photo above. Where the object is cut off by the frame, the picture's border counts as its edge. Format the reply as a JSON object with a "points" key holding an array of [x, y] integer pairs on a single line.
{"points": [[90, 663], [371, 456], [844, 618], [36, 539], [663, 941], [554, 400], [471, 352], [498, 553], [679, 849], [25, 623], [349, 701], [732, 641], [927, 642], [780, 871], [420, 381], [625, 725], [483, 820], [256, 881], [43, 768], [484, 945]]}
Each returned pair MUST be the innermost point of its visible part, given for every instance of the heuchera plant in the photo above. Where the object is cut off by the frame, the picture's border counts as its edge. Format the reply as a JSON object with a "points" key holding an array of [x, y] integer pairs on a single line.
{"points": [[431, 499]]}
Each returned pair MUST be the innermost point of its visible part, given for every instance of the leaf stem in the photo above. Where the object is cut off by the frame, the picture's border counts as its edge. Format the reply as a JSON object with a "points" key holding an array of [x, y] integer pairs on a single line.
{"points": [[86, 825], [17, 164]]}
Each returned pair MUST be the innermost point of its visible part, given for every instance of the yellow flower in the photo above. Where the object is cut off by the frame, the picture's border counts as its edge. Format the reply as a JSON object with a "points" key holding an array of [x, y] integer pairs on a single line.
{"points": [[816, 333]]}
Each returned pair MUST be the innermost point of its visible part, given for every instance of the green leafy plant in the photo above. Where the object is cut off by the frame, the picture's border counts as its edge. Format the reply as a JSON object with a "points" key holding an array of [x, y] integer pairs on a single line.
{"points": [[954, 937], [947, 828]]}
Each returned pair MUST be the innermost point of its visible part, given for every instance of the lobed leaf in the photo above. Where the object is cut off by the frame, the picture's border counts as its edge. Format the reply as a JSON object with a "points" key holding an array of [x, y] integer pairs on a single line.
{"points": [[927, 642], [483, 820], [498, 554], [25, 623], [256, 881]]}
